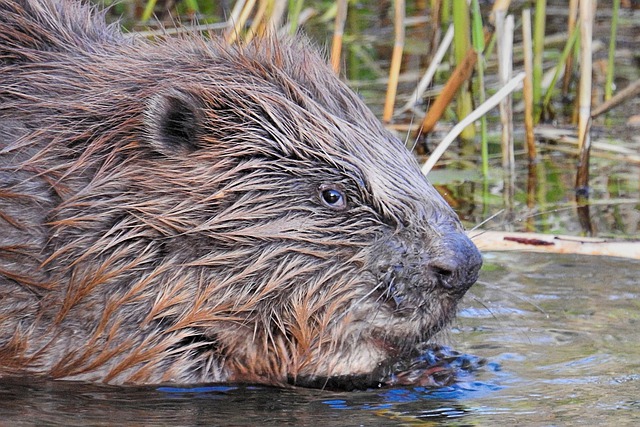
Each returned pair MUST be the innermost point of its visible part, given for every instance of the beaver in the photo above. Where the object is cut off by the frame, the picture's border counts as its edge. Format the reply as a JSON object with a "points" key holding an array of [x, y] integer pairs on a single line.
{"points": [[181, 211]]}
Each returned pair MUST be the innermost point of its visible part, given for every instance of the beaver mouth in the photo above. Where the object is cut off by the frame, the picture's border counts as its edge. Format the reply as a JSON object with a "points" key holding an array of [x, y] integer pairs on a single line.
{"points": [[396, 339], [404, 330], [409, 312], [419, 308], [417, 289]]}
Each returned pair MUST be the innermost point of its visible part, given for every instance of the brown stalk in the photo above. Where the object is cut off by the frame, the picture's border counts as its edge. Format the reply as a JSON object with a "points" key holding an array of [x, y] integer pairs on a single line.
{"points": [[627, 93], [460, 75], [338, 33], [528, 85], [396, 60]]}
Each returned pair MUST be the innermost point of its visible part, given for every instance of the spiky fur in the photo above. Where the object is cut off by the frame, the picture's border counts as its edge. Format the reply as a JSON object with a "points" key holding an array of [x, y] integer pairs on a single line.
{"points": [[161, 220]]}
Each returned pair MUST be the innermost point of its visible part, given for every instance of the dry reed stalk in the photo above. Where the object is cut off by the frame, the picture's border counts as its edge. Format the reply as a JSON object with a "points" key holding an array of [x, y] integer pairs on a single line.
{"points": [[628, 92], [258, 26], [528, 85], [567, 142], [584, 105], [547, 243], [475, 115], [232, 23], [502, 5], [479, 39], [504, 31], [460, 75], [538, 52], [586, 33], [430, 72], [246, 12], [499, 5], [396, 60], [632, 159], [338, 33]]}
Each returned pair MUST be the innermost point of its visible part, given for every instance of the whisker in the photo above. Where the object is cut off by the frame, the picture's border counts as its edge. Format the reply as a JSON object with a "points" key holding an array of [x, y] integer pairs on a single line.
{"points": [[520, 298]]}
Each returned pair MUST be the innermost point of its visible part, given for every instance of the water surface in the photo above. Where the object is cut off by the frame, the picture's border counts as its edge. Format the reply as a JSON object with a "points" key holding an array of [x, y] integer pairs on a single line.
{"points": [[560, 334]]}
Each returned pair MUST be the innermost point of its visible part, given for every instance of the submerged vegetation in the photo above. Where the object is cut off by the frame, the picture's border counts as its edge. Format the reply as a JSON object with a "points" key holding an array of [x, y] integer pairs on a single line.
{"points": [[558, 156]]}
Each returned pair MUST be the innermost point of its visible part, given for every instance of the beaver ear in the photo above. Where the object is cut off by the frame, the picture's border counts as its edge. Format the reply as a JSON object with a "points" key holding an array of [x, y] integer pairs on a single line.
{"points": [[173, 121]]}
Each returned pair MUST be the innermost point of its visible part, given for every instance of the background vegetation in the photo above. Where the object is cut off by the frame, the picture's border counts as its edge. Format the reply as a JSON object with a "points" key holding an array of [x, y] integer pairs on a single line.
{"points": [[518, 164]]}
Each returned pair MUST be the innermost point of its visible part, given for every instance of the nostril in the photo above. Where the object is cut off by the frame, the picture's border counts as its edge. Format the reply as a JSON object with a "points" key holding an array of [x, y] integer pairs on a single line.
{"points": [[445, 272], [442, 272]]}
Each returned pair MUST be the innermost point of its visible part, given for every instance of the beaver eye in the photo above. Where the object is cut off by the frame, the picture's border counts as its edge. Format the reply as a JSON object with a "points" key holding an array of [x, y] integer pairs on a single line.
{"points": [[333, 197]]}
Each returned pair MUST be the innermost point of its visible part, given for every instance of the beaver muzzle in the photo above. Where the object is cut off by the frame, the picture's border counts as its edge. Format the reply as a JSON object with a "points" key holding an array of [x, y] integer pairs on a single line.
{"points": [[413, 273], [456, 265]]}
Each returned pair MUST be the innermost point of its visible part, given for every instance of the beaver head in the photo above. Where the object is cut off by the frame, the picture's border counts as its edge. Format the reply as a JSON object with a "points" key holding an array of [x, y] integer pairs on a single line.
{"points": [[190, 212]]}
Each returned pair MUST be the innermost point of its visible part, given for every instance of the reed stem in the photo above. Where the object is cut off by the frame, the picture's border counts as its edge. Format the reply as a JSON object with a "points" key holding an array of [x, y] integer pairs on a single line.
{"points": [[295, 7], [504, 28], [538, 52], [424, 83], [478, 45], [396, 60], [475, 115], [242, 19], [528, 85], [258, 26], [566, 52], [458, 77], [571, 25], [462, 44], [231, 31], [276, 14], [338, 33], [445, 11], [584, 112], [608, 87], [148, 10], [586, 35]]}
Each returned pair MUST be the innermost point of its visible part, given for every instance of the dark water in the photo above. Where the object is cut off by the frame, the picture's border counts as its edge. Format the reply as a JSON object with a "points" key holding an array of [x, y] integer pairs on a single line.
{"points": [[561, 335]]}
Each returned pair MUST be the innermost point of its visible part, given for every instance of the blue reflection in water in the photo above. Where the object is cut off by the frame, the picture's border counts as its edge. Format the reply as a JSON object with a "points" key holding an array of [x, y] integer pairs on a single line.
{"points": [[459, 391], [204, 389]]}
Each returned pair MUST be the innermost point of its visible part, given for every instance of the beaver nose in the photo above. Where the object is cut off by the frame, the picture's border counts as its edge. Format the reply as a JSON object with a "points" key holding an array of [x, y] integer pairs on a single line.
{"points": [[456, 263]]}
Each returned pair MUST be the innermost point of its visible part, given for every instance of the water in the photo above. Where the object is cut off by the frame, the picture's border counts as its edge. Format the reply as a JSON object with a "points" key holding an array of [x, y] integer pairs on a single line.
{"points": [[560, 334]]}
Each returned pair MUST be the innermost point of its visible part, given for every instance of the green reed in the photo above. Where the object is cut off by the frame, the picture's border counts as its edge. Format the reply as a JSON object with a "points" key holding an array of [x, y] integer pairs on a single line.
{"points": [[608, 87]]}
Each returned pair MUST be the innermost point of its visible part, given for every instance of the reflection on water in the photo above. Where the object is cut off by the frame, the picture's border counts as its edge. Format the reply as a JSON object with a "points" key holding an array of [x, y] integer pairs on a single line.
{"points": [[561, 335]]}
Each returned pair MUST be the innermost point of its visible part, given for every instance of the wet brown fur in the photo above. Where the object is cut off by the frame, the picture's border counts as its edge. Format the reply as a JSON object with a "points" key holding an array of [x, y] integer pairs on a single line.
{"points": [[162, 215]]}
